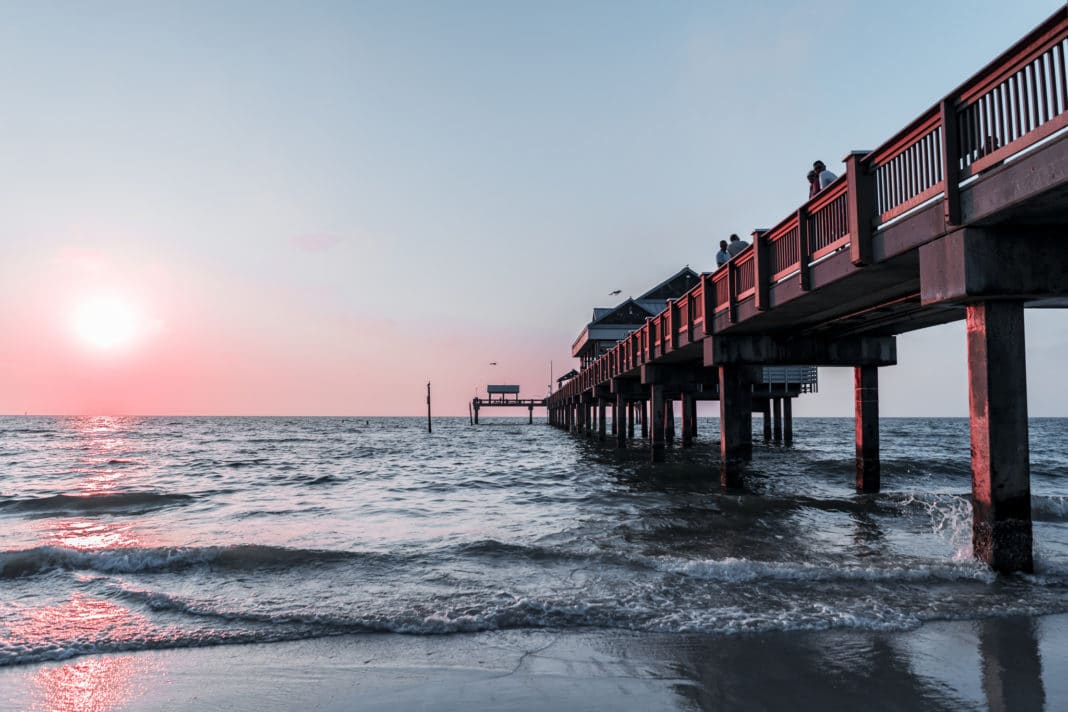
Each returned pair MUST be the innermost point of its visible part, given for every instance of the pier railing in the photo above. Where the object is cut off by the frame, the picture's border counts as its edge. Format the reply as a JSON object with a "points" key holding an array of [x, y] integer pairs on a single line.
{"points": [[1014, 103]]}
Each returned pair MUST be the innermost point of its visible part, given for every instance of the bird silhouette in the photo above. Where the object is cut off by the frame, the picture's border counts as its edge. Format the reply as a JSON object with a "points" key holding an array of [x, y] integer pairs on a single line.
{"points": [[493, 363], [618, 291]]}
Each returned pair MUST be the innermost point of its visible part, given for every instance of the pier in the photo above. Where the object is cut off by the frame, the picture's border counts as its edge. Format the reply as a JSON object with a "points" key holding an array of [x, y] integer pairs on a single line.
{"points": [[959, 216], [503, 401]]}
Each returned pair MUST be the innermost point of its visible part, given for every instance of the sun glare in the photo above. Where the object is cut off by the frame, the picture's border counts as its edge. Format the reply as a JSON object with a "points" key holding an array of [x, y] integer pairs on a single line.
{"points": [[106, 323]]}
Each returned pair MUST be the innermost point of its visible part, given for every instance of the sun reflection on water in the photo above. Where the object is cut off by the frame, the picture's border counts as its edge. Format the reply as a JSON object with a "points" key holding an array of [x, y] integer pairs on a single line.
{"points": [[90, 535], [93, 685], [84, 623]]}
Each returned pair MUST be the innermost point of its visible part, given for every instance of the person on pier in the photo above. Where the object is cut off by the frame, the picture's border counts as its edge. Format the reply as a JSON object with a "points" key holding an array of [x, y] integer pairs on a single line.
{"points": [[723, 256], [813, 183], [736, 245], [824, 176]]}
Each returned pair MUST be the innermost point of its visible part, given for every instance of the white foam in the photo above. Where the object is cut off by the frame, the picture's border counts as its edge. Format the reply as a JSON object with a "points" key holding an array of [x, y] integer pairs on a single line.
{"points": [[734, 570]]}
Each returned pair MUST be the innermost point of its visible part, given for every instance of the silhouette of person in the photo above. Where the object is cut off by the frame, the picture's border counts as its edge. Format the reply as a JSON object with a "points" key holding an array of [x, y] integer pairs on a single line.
{"points": [[825, 176], [736, 245], [723, 256]]}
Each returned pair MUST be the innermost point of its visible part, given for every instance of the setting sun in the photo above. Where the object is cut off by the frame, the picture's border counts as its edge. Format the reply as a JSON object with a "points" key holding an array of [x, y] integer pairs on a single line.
{"points": [[106, 322]]}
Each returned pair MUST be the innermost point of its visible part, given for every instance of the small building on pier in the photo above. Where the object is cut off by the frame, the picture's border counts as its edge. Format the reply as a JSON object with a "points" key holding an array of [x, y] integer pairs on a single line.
{"points": [[610, 325], [497, 396]]}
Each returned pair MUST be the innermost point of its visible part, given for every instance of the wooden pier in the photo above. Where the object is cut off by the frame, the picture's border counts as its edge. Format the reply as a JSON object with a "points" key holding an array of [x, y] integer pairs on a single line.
{"points": [[503, 401], [960, 216]]}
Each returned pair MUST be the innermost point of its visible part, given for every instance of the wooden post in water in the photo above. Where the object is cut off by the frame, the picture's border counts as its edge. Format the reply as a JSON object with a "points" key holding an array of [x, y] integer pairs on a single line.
{"points": [[656, 414], [687, 419], [787, 422], [735, 423], [1001, 479], [866, 397], [429, 429]]}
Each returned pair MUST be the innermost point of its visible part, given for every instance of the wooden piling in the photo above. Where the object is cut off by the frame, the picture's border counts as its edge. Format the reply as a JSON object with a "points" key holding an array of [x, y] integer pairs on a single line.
{"points": [[735, 424], [866, 426], [997, 394], [656, 432]]}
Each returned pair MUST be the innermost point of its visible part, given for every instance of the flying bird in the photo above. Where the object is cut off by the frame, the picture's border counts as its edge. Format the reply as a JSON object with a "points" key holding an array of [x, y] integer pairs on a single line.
{"points": [[618, 291], [493, 363]]}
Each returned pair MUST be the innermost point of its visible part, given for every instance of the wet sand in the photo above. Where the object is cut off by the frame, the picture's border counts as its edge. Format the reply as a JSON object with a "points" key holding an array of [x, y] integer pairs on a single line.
{"points": [[996, 664]]}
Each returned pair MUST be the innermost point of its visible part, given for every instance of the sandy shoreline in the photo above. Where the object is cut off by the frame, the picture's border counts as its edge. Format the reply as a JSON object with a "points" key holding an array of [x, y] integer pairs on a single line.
{"points": [[1006, 663]]}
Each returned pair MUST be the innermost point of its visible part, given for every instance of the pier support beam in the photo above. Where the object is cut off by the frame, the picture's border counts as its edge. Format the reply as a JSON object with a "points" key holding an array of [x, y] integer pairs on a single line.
{"points": [[866, 399], [777, 409], [601, 429], [669, 421], [630, 420], [693, 415], [618, 426], [644, 413], [787, 422], [997, 394], [687, 419], [656, 432], [766, 410], [735, 423]]}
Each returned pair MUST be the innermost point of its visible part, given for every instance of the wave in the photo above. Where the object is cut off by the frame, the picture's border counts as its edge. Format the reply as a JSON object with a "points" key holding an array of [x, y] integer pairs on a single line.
{"points": [[744, 570], [1049, 508], [631, 612], [251, 557], [115, 503], [41, 559]]}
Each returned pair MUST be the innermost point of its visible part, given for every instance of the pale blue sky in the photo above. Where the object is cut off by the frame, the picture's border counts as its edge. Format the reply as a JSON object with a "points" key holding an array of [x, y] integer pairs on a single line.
{"points": [[305, 175]]}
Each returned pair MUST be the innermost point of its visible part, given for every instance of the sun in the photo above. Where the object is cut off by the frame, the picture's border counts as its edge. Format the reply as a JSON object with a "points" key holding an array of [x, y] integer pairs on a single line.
{"points": [[106, 322]]}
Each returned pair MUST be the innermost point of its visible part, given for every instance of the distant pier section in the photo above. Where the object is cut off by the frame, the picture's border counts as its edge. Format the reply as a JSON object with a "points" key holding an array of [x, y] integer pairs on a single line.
{"points": [[497, 396]]}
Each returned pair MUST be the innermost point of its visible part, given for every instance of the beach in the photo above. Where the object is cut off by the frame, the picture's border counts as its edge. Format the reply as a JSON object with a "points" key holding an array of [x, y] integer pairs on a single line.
{"points": [[996, 664]]}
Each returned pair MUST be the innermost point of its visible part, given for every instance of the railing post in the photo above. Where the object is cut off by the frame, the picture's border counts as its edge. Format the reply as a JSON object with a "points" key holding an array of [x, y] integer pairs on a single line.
{"points": [[761, 270], [732, 292], [950, 161], [708, 294], [804, 251], [860, 184]]}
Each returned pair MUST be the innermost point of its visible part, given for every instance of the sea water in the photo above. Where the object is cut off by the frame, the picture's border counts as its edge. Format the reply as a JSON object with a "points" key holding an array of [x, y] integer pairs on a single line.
{"points": [[129, 533]]}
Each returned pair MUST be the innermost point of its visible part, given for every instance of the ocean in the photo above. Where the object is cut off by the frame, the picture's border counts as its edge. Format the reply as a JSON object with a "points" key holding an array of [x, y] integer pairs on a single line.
{"points": [[129, 533]]}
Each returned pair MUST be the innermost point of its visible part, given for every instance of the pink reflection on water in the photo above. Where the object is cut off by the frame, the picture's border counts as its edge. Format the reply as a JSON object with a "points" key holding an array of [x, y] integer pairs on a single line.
{"points": [[103, 471], [90, 534], [81, 622], [94, 685]]}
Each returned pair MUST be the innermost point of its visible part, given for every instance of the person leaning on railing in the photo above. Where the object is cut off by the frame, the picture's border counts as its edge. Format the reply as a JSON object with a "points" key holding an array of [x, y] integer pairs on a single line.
{"points": [[736, 245], [823, 178], [723, 256]]}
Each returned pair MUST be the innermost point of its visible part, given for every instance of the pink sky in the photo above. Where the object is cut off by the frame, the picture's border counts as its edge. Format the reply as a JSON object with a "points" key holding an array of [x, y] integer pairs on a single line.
{"points": [[316, 210]]}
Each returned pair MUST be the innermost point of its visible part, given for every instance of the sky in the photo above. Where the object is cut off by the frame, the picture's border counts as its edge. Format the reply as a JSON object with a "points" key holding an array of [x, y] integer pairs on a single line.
{"points": [[281, 208]]}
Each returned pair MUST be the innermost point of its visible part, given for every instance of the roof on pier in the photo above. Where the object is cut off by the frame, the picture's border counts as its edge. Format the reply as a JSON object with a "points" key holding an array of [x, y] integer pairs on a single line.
{"points": [[673, 287], [610, 324], [629, 312]]}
